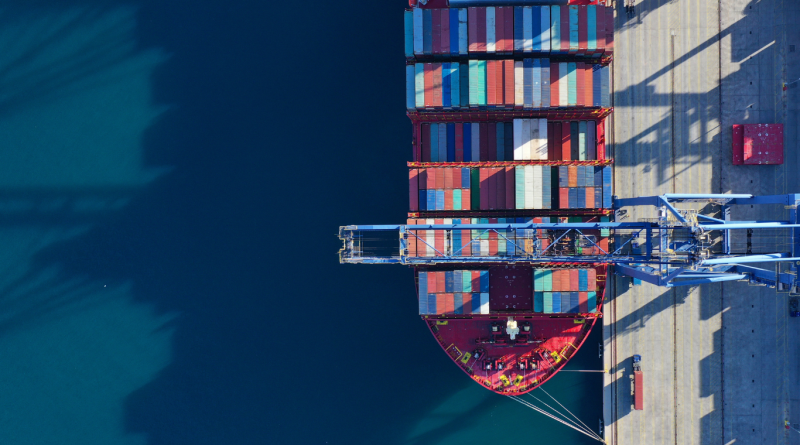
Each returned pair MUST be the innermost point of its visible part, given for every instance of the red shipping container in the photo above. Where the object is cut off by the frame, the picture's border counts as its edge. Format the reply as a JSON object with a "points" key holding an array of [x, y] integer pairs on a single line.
{"points": [[609, 31], [589, 197], [566, 150], [583, 302], [459, 142], [466, 298], [445, 39], [508, 78], [465, 241], [600, 19], [763, 144], [438, 178], [476, 280], [501, 187], [601, 140], [573, 280], [428, 74], [441, 306], [481, 30], [484, 188], [456, 184], [580, 71], [738, 144], [436, 32], [603, 243], [448, 199], [638, 390], [448, 178], [413, 189], [556, 147], [554, 88], [430, 178], [492, 192], [466, 199], [563, 197], [593, 279], [411, 242], [499, 30], [425, 138], [484, 140], [493, 239], [491, 130], [510, 184], [438, 243], [437, 84], [509, 30], [472, 22], [566, 283], [491, 82], [564, 28], [572, 176], [583, 29], [433, 286], [498, 67]]}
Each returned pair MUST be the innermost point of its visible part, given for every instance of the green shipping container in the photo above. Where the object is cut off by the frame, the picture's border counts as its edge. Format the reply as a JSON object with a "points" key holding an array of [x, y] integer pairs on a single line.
{"points": [[475, 188]]}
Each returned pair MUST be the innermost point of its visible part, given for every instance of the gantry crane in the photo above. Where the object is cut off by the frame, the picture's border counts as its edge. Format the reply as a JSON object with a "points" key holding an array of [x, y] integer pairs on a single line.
{"points": [[680, 247]]}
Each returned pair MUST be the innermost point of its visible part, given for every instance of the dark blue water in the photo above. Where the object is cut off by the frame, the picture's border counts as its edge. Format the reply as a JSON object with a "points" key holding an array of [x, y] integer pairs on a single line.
{"points": [[172, 178]]}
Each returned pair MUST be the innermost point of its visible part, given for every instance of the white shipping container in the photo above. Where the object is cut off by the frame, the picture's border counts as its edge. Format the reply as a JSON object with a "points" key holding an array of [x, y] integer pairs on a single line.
{"points": [[429, 239], [518, 144], [417, 31], [484, 303], [541, 146], [534, 139], [526, 139], [537, 186], [529, 199], [490, 29], [519, 85], [476, 142], [563, 90], [484, 247]]}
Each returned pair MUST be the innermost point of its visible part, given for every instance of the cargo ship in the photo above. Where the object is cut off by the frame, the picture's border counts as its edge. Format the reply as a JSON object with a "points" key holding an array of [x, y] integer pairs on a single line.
{"points": [[509, 105]]}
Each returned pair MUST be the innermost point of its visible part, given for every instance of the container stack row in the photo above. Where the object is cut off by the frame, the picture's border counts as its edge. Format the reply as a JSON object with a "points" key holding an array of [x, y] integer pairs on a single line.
{"points": [[454, 292], [549, 29], [507, 85], [565, 302], [477, 243], [516, 140], [521, 187]]}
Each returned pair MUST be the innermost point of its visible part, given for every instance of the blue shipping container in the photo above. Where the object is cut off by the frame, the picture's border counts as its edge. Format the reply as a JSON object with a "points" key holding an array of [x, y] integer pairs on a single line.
{"points": [[423, 302], [431, 200], [566, 302], [574, 302], [537, 83], [604, 86], [408, 26], [547, 197], [410, 87], [583, 280], [431, 303], [465, 174], [581, 192], [545, 83], [463, 40], [538, 302], [485, 280], [448, 281], [451, 142], [458, 303], [607, 187], [563, 176], [446, 85], [467, 138], [573, 198], [453, 32], [463, 84], [545, 27], [597, 80], [518, 33], [476, 303], [435, 143], [439, 199], [442, 142], [536, 28], [455, 86], [591, 17], [556, 302], [427, 31], [527, 83], [555, 28], [418, 49]]}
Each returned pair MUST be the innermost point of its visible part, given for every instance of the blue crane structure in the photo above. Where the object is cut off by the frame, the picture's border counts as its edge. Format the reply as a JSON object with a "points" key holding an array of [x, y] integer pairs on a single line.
{"points": [[678, 248]]}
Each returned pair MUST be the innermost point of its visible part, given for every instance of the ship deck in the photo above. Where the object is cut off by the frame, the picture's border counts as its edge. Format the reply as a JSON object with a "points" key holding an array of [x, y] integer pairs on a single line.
{"points": [[718, 360]]}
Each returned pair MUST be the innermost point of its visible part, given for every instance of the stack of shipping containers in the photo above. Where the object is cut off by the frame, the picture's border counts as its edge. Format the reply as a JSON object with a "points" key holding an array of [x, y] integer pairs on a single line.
{"points": [[509, 107]]}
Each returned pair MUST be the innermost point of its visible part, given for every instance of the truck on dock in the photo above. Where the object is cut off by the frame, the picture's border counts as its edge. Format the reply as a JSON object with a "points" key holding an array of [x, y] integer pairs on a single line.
{"points": [[637, 383]]}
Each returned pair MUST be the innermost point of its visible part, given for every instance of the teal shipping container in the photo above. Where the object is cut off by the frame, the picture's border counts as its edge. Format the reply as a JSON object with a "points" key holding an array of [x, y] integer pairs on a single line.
{"points": [[473, 83], [519, 186], [481, 83], [547, 302], [408, 26], [591, 39], [419, 85], [410, 87], [538, 302], [573, 28], [555, 28], [572, 83], [592, 301]]}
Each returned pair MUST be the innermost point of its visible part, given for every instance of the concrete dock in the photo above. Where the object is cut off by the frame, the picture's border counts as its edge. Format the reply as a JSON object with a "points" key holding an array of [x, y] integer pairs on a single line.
{"points": [[721, 362]]}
